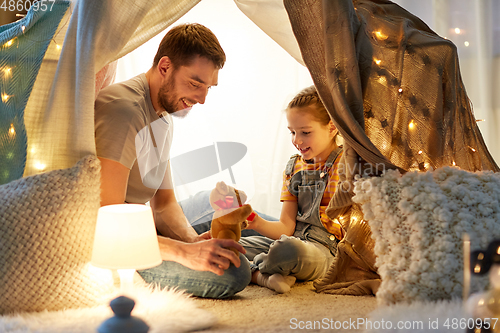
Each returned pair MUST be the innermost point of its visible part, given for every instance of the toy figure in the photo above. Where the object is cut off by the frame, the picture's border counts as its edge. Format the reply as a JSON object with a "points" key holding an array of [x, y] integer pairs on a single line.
{"points": [[230, 215]]}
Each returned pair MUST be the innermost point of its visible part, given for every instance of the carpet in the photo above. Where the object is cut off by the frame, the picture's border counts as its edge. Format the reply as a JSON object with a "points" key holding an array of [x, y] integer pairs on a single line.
{"points": [[257, 310], [254, 310], [162, 310]]}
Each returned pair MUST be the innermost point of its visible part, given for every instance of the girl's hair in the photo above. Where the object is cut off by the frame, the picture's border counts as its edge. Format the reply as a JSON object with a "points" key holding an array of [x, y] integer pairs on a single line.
{"points": [[309, 97]]}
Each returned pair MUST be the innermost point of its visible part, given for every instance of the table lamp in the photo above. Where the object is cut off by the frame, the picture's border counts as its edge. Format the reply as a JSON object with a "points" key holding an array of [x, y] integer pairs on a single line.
{"points": [[125, 240]]}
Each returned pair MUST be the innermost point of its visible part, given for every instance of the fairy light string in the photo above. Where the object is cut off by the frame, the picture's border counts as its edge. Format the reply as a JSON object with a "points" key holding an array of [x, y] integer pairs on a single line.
{"points": [[421, 162], [20, 61]]}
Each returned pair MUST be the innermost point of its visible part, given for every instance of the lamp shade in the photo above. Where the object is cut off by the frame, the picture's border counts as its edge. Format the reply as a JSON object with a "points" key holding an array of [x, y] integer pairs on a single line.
{"points": [[125, 238]]}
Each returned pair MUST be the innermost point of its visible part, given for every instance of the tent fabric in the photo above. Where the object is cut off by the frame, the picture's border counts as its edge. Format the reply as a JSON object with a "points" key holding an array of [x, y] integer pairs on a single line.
{"points": [[24, 44], [390, 84], [61, 121], [393, 88], [270, 16], [105, 76]]}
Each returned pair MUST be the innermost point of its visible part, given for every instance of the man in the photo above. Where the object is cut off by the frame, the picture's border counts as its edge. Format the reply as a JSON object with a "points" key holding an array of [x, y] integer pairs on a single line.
{"points": [[133, 127]]}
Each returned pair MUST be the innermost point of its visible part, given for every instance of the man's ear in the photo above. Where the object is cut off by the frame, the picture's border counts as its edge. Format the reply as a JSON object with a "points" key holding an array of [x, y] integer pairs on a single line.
{"points": [[164, 65]]}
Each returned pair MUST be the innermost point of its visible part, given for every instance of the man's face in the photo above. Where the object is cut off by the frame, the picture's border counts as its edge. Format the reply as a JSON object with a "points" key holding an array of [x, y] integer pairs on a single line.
{"points": [[186, 86]]}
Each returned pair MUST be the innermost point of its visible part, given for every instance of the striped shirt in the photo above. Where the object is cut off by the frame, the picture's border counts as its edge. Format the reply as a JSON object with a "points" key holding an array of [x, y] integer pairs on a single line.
{"points": [[333, 179]]}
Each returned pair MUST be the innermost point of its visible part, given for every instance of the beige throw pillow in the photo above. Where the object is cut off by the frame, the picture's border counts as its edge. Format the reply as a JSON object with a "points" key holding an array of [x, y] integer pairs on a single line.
{"points": [[47, 224]]}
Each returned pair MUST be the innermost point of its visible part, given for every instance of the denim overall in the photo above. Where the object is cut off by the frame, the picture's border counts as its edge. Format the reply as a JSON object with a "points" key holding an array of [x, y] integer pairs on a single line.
{"points": [[309, 186]]}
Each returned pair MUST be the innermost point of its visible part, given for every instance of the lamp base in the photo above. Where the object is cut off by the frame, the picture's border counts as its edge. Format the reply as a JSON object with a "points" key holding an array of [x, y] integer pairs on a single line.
{"points": [[123, 322], [126, 280]]}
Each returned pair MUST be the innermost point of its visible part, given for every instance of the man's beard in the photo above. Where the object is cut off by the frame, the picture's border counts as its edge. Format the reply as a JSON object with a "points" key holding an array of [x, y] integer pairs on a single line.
{"points": [[168, 99]]}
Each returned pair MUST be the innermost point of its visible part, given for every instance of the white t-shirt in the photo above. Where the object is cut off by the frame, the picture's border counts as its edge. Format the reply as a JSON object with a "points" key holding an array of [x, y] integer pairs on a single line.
{"points": [[128, 131]]}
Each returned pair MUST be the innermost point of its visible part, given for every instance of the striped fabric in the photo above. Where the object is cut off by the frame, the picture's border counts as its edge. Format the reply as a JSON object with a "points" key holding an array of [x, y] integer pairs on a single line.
{"points": [[22, 47]]}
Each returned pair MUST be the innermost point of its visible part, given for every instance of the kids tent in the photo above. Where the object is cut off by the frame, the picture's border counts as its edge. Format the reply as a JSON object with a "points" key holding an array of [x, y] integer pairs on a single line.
{"points": [[391, 85]]}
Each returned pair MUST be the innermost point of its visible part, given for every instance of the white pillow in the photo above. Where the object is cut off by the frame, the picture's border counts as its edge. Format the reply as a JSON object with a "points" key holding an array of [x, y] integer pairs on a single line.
{"points": [[47, 224], [418, 221]]}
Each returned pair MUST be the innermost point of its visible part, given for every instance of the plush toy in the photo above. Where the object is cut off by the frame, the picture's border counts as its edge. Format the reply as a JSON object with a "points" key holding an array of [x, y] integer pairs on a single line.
{"points": [[230, 215]]}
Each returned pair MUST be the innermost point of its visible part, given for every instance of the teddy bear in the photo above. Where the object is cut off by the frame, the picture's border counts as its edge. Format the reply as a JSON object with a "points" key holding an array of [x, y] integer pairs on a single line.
{"points": [[231, 215]]}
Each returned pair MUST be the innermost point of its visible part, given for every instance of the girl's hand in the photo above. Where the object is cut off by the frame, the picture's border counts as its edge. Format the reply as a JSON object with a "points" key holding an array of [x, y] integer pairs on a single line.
{"points": [[253, 221]]}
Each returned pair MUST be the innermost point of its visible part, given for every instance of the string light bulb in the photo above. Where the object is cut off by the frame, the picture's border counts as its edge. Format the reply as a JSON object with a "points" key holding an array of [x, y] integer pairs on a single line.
{"points": [[7, 71], [9, 43], [58, 47], [411, 125], [377, 61], [39, 165], [466, 43], [12, 131], [457, 31], [479, 262], [380, 35], [420, 152], [5, 97]]}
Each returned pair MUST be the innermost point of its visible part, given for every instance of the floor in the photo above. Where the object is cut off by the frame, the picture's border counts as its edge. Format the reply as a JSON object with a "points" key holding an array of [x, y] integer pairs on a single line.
{"points": [[258, 309]]}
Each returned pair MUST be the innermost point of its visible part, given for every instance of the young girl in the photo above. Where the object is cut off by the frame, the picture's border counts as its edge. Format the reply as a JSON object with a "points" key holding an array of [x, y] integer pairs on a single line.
{"points": [[303, 243]]}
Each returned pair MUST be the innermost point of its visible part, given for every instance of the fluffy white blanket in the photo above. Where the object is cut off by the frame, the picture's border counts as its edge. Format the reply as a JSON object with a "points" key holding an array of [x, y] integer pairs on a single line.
{"points": [[418, 221], [162, 310]]}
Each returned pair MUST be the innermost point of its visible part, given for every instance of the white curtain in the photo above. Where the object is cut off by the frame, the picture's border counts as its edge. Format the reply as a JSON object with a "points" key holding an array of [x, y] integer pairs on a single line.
{"points": [[260, 78], [59, 115], [247, 107]]}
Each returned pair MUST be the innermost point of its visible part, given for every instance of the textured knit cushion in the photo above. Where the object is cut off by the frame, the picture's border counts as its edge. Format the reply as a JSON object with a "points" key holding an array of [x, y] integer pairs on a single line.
{"points": [[47, 224], [418, 221]]}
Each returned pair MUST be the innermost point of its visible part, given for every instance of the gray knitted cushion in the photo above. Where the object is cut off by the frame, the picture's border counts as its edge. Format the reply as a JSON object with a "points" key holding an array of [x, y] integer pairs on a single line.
{"points": [[47, 224]]}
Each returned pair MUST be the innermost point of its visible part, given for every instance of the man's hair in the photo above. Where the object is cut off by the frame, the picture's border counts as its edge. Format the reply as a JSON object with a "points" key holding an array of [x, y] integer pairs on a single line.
{"points": [[309, 97], [184, 42]]}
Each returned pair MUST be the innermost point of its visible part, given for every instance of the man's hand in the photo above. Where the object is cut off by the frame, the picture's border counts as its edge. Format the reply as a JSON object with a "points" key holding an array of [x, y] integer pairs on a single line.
{"points": [[204, 236], [206, 255]]}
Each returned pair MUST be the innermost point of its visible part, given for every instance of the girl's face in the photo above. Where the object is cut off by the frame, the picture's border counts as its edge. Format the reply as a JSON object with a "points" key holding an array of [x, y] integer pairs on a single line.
{"points": [[312, 139]]}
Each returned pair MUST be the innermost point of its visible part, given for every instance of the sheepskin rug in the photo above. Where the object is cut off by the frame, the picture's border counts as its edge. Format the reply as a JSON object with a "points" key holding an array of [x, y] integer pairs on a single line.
{"points": [[163, 310]]}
